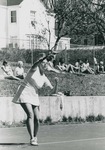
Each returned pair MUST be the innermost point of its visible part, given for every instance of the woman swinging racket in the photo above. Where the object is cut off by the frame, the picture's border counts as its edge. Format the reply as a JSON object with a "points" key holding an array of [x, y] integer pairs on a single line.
{"points": [[27, 96]]}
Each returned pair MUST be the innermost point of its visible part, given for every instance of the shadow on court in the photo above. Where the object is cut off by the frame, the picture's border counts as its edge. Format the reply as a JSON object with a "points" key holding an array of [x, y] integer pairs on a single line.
{"points": [[13, 144], [87, 136]]}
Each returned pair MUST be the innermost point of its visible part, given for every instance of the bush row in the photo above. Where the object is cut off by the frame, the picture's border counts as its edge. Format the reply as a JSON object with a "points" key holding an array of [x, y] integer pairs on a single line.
{"points": [[14, 55], [70, 56], [48, 121], [90, 118]]}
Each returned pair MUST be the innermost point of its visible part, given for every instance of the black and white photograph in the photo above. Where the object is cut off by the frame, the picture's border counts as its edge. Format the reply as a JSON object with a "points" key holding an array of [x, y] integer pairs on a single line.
{"points": [[52, 74]]}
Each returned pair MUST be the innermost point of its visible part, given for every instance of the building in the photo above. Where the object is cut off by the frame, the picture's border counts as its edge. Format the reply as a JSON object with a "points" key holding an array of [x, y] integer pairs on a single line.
{"points": [[25, 24]]}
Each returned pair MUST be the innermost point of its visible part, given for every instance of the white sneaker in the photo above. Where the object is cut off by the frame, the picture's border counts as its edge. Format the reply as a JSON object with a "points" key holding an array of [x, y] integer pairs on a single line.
{"points": [[34, 141]]}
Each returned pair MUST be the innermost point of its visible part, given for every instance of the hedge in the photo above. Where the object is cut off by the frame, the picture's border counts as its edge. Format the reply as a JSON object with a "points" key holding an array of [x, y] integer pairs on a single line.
{"points": [[70, 56]]}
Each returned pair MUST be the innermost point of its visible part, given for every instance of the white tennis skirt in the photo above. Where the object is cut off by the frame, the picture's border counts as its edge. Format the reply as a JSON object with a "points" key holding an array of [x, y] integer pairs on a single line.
{"points": [[26, 94]]}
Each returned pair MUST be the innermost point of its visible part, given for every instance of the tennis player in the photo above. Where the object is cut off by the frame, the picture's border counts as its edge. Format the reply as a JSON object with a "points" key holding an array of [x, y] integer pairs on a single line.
{"points": [[27, 96]]}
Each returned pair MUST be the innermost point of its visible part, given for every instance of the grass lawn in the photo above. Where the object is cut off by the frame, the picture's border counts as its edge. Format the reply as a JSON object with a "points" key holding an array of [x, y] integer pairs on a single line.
{"points": [[88, 85]]}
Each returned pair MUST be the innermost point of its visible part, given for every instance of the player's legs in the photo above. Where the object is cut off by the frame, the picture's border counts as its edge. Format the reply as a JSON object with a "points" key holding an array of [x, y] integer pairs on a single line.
{"points": [[30, 118], [36, 120]]}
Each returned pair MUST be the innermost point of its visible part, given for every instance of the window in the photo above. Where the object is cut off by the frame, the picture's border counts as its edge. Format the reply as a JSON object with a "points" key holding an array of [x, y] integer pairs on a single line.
{"points": [[14, 41], [85, 41], [13, 16], [32, 17], [99, 39], [28, 41], [33, 42]]}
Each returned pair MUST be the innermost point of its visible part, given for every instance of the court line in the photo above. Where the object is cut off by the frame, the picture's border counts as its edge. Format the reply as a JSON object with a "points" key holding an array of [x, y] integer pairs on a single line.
{"points": [[71, 141]]}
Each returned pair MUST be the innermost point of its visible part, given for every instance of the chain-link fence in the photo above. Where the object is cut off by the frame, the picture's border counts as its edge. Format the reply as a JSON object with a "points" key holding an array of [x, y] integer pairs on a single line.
{"points": [[82, 53], [70, 56]]}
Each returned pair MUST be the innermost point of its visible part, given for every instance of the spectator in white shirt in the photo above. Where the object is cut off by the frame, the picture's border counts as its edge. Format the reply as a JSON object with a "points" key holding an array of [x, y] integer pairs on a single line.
{"points": [[8, 72], [19, 70]]}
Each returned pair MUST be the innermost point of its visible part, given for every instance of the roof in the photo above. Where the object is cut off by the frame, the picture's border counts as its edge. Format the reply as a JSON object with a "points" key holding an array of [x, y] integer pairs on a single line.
{"points": [[13, 2]]}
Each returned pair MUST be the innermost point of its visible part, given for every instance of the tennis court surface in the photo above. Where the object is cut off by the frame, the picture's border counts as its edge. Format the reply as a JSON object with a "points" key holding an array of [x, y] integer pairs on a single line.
{"points": [[87, 136]]}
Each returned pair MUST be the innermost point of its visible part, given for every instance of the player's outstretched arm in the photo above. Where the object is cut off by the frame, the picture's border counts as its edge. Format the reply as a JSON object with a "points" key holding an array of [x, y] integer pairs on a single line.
{"points": [[54, 90]]}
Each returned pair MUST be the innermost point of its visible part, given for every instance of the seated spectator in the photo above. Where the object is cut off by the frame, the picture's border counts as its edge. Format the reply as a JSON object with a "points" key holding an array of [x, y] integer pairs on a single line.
{"points": [[8, 73], [85, 67], [70, 68], [65, 67], [96, 66], [19, 70], [77, 65], [49, 64], [62, 66], [101, 67]]}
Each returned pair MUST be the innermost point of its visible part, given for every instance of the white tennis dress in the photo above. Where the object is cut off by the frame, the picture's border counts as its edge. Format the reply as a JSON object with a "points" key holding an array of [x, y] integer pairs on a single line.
{"points": [[28, 90]]}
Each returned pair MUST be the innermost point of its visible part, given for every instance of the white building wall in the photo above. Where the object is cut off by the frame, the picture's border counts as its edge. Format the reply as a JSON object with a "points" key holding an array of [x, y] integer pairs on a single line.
{"points": [[51, 18], [13, 28], [3, 26], [41, 19], [16, 33], [64, 43]]}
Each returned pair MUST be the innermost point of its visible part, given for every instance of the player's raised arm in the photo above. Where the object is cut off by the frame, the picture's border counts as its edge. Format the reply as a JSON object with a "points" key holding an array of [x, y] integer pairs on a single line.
{"points": [[39, 61]]}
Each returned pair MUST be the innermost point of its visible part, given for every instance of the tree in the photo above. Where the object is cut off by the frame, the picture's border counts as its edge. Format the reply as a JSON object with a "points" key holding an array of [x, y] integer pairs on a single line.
{"points": [[78, 17], [57, 7], [96, 11]]}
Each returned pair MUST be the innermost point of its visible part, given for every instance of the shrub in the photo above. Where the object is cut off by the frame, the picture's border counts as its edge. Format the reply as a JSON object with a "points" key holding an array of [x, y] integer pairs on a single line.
{"points": [[90, 118], [70, 119], [64, 119], [41, 121], [78, 119], [99, 118], [48, 120]]}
